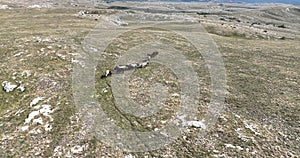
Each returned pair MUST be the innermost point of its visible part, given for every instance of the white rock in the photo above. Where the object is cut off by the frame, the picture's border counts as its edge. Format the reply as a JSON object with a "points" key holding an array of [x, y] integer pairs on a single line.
{"points": [[26, 73], [252, 128], [38, 121], [57, 151], [37, 153], [24, 128], [237, 116], [164, 121], [235, 147], [229, 146], [35, 131], [46, 111], [74, 61], [104, 90], [77, 149], [223, 117], [62, 56], [48, 127], [6, 137], [19, 112], [239, 148], [8, 87], [129, 156], [242, 136], [35, 6], [35, 101], [215, 151], [4, 7], [94, 49], [46, 39], [18, 54], [31, 116], [197, 124], [37, 107], [220, 155], [175, 95], [49, 47], [21, 88]]}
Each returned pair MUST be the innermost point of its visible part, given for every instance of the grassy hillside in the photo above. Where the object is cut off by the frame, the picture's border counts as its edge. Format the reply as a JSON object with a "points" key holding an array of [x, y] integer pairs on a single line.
{"points": [[261, 116]]}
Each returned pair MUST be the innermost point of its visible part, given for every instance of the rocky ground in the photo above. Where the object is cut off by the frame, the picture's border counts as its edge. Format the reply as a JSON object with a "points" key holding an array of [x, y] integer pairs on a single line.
{"points": [[39, 47]]}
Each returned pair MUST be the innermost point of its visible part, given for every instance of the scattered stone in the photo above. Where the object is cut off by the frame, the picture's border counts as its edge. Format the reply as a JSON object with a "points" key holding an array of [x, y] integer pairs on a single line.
{"points": [[129, 156], [35, 131], [19, 112], [239, 148], [4, 7], [252, 127], [234, 147], [21, 88], [77, 149], [35, 6], [31, 116], [26, 73], [175, 95], [42, 50], [8, 87], [57, 151], [40, 6], [38, 121], [229, 146], [63, 57], [243, 137], [37, 107], [104, 90], [25, 128], [45, 111], [163, 121], [35, 101], [18, 54], [197, 124], [48, 127]]}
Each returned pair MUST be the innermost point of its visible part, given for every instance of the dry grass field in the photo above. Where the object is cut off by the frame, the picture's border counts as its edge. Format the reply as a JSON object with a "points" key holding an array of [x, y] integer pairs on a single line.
{"points": [[261, 52]]}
